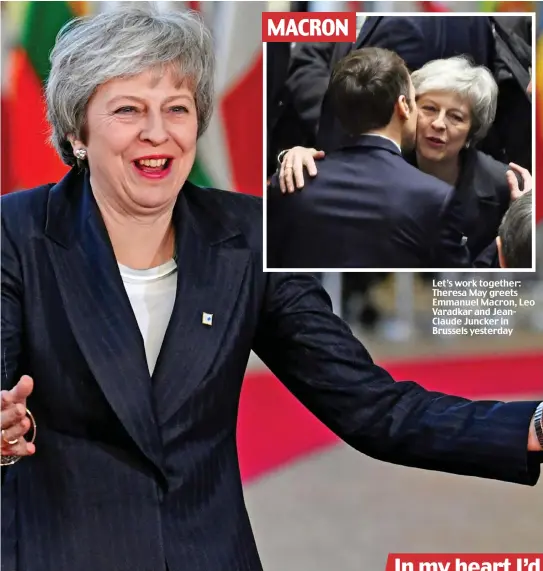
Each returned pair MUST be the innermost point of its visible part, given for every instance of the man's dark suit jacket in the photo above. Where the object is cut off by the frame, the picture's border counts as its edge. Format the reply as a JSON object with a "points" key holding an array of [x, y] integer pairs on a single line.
{"points": [[366, 208], [132, 471], [417, 39], [277, 63], [510, 138]]}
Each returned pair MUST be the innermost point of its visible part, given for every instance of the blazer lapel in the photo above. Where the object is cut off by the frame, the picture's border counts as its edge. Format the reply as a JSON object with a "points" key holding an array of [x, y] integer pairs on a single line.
{"points": [[476, 182], [212, 263], [99, 310]]}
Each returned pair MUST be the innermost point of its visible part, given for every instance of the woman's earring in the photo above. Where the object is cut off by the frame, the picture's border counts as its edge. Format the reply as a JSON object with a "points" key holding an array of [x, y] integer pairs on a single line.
{"points": [[81, 154], [467, 144]]}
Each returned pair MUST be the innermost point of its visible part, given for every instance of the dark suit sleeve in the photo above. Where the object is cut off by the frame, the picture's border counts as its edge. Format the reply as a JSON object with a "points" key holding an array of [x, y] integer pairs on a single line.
{"points": [[309, 75], [403, 36], [12, 288], [276, 210], [317, 358], [488, 258]]}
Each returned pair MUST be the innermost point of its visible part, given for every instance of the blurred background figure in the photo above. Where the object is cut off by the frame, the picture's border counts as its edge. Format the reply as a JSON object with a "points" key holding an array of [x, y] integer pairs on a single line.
{"points": [[277, 65]]}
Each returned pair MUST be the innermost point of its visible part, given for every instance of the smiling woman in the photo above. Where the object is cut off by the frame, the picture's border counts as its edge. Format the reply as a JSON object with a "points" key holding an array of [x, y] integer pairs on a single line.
{"points": [[134, 111], [140, 139]]}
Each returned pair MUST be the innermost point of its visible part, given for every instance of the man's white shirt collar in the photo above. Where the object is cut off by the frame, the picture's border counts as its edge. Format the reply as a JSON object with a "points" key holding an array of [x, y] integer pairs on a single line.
{"points": [[387, 138]]}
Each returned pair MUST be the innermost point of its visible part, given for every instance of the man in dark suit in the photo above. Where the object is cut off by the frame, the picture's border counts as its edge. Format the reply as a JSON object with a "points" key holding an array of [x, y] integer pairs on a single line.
{"points": [[510, 139], [416, 39], [368, 208]]}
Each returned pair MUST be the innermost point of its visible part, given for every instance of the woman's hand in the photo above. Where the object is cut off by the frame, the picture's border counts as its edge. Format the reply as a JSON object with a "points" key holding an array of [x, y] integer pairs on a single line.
{"points": [[512, 181], [292, 167], [13, 419]]}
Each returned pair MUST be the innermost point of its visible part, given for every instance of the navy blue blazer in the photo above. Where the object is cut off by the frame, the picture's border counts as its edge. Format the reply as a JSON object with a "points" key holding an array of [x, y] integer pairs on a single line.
{"points": [[367, 208], [482, 197], [133, 471]]}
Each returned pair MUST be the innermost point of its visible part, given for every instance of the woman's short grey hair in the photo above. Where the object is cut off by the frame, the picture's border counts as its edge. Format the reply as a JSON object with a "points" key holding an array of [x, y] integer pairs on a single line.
{"points": [[472, 82], [92, 50]]}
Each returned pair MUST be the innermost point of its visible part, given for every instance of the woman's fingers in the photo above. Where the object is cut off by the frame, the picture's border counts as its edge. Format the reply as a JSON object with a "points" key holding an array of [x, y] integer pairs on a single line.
{"points": [[526, 179], [21, 391], [11, 415], [298, 170], [312, 167], [513, 185], [304, 160], [13, 419], [288, 161], [22, 448], [286, 179], [13, 442], [524, 174], [512, 181], [15, 432], [309, 161], [282, 182], [291, 172]]}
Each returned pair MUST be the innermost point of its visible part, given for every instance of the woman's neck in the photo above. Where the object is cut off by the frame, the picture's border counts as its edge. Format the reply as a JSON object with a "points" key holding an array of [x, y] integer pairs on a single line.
{"points": [[139, 241], [447, 171]]}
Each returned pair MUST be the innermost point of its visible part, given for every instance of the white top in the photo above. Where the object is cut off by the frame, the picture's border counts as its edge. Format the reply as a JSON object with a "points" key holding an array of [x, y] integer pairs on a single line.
{"points": [[152, 295]]}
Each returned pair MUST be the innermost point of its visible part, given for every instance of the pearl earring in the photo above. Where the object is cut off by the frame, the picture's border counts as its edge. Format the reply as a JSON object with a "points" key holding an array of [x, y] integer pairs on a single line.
{"points": [[81, 154]]}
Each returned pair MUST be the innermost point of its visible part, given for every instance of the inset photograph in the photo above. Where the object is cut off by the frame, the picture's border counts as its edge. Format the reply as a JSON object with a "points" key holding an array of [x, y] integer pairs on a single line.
{"points": [[410, 149]]}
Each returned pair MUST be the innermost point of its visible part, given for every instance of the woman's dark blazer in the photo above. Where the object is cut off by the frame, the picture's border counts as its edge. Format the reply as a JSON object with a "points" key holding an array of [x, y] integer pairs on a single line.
{"points": [[483, 189], [482, 197], [132, 471]]}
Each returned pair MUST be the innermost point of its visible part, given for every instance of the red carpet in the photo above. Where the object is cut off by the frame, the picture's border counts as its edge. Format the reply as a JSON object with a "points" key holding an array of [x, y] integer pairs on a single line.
{"points": [[274, 428]]}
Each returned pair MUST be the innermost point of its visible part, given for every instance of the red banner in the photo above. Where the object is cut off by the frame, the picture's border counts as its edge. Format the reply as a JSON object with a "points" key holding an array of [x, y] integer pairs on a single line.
{"points": [[308, 27], [465, 562]]}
